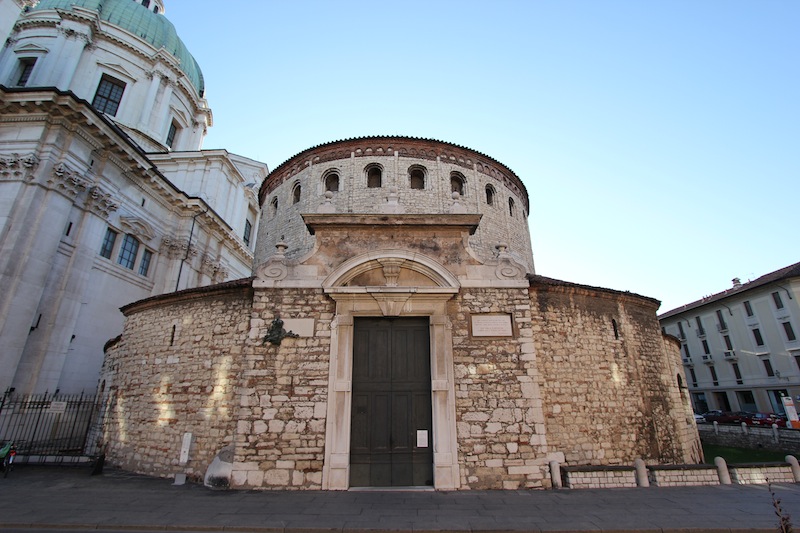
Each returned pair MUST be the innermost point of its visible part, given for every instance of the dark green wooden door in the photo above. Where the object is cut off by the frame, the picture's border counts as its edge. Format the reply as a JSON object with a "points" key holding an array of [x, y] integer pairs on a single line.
{"points": [[391, 435]]}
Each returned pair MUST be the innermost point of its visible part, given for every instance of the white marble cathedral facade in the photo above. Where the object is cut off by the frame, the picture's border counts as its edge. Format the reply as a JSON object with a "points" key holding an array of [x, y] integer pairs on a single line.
{"points": [[106, 196]]}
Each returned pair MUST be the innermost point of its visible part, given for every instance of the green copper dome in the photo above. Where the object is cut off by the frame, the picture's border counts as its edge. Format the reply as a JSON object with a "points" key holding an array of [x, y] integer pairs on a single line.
{"points": [[142, 22]]}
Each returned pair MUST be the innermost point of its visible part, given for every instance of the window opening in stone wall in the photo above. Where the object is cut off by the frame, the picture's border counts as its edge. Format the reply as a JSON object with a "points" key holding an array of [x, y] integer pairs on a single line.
{"points": [[768, 368], [146, 3], [757, 336], [332, 182], [108, 95], [144, 265], [172, 335], [128, 251], [108, 243], [457, 183], [248, 229], [776, 297], [374, 177], [737, 373], [296, 193], [680, 382], [789, 330], [273, 206], [27, 64], [416, 178], [490, 195], [615, 327], [511, 207], [171, 134]]}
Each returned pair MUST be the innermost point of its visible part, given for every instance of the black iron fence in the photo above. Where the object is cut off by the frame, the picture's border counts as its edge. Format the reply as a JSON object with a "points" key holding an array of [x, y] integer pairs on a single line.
{"points": [[47, 427]]}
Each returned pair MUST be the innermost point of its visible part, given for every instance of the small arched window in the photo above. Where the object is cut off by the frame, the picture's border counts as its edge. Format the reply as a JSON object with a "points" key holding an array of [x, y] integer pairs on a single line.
{"points": [[296, 193], [511, 207], [374, 177], [416, 177], [273, 206], [457, 183], [489, 195], [615, 328], [332, 181]]}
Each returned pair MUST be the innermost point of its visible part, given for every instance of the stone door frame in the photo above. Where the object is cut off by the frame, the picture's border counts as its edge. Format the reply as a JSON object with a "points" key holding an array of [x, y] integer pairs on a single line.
{"points": [[391, 301]]}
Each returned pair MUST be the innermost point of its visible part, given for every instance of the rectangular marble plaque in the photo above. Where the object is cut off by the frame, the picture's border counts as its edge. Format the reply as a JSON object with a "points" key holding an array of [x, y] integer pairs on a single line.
{"points": [[492, 326], [303, 327]]}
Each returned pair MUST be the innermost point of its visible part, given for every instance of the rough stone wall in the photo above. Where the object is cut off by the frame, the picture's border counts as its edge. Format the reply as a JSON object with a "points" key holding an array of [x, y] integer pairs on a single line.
{"points": [[354, 196], [175, 370], [609, 388], [501, 430], [280, 437]]}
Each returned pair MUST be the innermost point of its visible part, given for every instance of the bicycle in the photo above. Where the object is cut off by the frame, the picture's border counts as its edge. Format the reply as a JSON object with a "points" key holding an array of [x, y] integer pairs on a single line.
{"points": [[7, 455]]}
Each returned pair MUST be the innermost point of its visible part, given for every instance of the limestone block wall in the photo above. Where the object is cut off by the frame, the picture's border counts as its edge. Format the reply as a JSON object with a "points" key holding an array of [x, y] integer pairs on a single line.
{"points": [[298, 186], [599, 478], [175, 370], [683, 475], [610, 391], [500, 424], [280, 435]]}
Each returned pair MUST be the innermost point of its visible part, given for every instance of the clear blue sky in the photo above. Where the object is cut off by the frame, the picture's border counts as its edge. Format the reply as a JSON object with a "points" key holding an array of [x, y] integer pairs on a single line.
{"points": [[658, 140]]}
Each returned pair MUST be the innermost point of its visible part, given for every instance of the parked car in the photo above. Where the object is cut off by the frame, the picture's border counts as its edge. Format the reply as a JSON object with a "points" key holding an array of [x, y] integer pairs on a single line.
{"points": [[727, 417], [699, 419], [765, 419]]}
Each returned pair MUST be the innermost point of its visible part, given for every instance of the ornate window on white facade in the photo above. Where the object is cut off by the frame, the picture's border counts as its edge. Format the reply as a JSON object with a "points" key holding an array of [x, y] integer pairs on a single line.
{"points": [[248, 230], [490, 194], [144, 264], [108, 95], [25, 71], [172, 134], [128, 251], [332, 181], [296, 191], [108, 243], [458, 183], [416, 177], [789, 330], [374, 176], [776, 297]]}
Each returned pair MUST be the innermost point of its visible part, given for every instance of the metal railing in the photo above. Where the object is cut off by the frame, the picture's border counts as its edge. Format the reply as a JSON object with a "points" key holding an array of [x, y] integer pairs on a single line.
{"points": [[46, 425]]}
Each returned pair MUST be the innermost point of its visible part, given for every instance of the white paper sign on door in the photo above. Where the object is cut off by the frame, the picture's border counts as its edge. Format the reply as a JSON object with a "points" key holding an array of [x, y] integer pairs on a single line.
{"points": [[422, 438]]}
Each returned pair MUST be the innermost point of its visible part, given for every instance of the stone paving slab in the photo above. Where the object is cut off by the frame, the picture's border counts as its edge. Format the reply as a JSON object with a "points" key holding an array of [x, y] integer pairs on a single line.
{"points": [[60, 498]]}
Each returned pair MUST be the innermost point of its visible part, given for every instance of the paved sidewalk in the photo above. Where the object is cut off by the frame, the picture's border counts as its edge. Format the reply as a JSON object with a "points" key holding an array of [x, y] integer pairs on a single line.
{"points": [[69, 498]]}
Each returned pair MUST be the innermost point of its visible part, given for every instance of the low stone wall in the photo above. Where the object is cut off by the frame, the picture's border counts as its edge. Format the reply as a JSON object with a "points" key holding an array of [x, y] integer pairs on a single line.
{"points": [[603, 477], [595, 477], [783, 440], [761, 473], [683, 475]]}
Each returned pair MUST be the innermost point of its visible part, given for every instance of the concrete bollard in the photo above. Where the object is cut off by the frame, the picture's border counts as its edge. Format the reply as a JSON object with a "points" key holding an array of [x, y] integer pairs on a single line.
{"points": [[744, 428], [641, 473], [775, 434], [722, 471], [716, 427], [792, 460], [555, 474]]}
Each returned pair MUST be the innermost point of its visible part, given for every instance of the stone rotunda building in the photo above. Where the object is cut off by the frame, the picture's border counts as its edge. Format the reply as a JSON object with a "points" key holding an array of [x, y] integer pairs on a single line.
{"points": [[394, 334]]}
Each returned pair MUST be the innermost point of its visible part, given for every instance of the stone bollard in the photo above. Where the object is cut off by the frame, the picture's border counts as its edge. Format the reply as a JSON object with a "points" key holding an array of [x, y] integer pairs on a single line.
{"points": [[744, 428], [792, 460], [641, 473], [775, 434], [722, 471], [555, 474], [716, 427]]}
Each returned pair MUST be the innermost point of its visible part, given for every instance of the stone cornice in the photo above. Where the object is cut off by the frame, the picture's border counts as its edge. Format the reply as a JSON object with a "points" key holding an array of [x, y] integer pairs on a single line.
{"points": [[542, 283]]}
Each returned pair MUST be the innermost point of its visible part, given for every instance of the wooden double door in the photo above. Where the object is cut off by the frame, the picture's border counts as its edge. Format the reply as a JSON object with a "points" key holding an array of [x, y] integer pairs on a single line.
{"points": [[391, 432]]}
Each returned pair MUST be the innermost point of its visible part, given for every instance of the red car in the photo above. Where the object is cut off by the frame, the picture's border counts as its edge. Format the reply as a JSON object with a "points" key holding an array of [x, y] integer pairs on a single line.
{"points": [[765, 419]]}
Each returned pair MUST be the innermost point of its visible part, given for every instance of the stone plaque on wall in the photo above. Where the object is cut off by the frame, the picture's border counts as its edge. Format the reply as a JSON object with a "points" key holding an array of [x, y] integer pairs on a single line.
{"points": [[494, 325], [303, 327]]}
